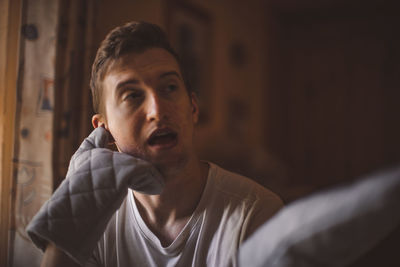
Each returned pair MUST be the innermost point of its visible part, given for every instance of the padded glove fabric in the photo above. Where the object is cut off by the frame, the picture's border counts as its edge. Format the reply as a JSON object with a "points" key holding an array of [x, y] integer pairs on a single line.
{"points": [[97, 181], [331, 228]]}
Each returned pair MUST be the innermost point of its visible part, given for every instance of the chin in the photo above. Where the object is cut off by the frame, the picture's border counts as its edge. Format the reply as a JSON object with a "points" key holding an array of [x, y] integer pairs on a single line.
{"points": [[169, 162]]}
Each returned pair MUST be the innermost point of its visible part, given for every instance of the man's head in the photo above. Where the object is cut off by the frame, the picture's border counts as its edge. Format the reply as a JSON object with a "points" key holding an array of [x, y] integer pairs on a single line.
{"points": [[140, 95], [133, 37]]}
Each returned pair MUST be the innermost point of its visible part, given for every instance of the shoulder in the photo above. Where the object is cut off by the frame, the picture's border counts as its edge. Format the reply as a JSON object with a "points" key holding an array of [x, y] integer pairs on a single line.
{"points": [[256, 203], [243, 188]]}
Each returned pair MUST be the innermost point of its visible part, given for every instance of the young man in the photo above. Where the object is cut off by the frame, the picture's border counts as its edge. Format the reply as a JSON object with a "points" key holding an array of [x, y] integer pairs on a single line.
{"points": [[142, 98]]}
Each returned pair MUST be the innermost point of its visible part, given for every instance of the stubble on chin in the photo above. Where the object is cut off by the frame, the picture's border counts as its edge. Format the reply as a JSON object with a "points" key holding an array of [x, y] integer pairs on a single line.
{"points": [[167, 165], [135, 152]]}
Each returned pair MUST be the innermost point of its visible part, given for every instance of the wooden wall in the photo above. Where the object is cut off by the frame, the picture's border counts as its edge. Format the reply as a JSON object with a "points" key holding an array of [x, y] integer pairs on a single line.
{"points": [[333, 95]]}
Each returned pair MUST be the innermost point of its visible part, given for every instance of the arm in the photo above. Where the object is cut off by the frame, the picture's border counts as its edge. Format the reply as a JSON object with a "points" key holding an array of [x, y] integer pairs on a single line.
{"points": [[54, 257]]}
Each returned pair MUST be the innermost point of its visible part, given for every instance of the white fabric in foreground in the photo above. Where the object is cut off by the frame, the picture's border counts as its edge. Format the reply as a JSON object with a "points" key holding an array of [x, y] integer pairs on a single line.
{"points": [[331, 228], [97, 181]]}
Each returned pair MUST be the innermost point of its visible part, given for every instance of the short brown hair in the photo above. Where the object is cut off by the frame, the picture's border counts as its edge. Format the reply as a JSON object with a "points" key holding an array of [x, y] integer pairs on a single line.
{"points": [[132, 37]]}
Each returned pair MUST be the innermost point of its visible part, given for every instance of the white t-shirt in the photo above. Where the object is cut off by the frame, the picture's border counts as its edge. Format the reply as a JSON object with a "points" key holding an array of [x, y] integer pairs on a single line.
{"points": [[230, 209]]}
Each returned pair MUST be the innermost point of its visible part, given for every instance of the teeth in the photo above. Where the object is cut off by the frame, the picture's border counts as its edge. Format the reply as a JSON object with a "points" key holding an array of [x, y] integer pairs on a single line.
{"points": [[162, 134]]}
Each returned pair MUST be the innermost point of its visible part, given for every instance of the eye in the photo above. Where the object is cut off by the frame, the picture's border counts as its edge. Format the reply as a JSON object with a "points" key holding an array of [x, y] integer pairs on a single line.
{"points": [[171, 88], [132, 95]]}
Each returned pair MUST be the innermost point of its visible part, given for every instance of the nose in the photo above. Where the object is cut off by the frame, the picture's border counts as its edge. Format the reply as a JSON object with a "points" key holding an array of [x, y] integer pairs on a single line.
{"points": [[155, 110]]}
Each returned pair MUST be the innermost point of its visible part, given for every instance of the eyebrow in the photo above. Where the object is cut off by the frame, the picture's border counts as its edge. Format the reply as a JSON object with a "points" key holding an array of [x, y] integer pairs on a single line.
{"points": [[174, 73], [135, 81], [130, 81]]}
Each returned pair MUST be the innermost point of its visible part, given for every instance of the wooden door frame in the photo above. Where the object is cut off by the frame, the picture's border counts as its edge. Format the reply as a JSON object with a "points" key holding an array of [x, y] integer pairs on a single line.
{"points": [[10, 25]]}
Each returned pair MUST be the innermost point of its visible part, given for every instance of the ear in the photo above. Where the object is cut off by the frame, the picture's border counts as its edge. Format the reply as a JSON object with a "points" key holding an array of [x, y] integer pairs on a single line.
{"points": [[195, 107], [99, 121]]}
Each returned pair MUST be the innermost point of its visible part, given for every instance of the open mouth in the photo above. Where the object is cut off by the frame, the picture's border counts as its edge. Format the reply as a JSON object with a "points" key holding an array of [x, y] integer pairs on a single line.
{"points": [[162, 137]]}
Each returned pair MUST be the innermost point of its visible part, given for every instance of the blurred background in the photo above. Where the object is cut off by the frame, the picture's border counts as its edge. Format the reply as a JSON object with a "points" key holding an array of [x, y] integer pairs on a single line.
{"points": [[298, 95]]}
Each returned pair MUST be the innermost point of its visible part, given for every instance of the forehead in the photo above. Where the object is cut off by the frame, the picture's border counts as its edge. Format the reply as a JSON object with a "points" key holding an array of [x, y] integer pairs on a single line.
{"points": [[147, 65]]}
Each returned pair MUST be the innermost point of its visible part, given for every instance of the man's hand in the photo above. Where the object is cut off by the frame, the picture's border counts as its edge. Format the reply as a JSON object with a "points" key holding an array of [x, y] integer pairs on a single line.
{"points": [[76, 215]]}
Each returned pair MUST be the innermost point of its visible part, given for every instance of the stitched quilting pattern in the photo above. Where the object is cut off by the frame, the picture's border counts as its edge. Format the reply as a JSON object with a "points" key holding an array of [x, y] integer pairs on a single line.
{"points": [[97, 182]]}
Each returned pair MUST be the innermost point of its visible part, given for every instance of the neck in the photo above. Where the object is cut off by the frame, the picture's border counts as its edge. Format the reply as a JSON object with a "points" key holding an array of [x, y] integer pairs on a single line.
{"points": [[182, 192]]}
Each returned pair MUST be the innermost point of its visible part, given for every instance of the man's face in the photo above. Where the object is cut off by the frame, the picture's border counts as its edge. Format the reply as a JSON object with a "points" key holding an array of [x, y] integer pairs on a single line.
{"points": [[148, 110]]}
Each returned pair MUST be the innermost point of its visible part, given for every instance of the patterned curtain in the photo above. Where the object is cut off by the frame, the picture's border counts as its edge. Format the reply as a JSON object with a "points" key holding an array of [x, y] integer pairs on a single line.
{"points": [[53, 108], [33, 177]]}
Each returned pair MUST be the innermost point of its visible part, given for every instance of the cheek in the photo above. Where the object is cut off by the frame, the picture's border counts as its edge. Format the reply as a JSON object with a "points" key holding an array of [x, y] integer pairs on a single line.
{"points": [[127, 131], [187, 120]]}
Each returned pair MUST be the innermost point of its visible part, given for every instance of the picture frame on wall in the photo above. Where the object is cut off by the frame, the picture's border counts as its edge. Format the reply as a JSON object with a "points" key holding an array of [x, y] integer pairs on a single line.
{"points": [[190, 31]]}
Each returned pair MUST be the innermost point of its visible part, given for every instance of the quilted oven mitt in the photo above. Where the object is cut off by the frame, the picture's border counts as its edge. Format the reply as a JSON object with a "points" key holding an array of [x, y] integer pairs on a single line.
{"points": [[332, 228], [97, 181]]}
